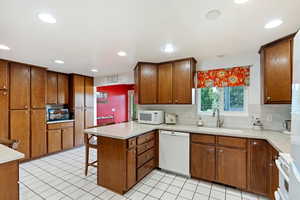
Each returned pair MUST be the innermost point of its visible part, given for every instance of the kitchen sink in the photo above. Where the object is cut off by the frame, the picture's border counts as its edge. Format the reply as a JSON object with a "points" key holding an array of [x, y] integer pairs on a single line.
{"points": [[220, 130]]}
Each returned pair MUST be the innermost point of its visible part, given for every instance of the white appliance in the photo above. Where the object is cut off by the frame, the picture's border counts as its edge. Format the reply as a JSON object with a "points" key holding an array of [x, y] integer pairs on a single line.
{"points": [[295, 129], [151, 116], [174, 152], [170, 118], [283, 165]]}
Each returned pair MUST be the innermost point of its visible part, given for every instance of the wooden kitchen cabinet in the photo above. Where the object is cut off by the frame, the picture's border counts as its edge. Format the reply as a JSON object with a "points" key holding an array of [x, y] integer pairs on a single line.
{"points": [[19, 86], [20, 130], [4, 116], [183, 81], [4, 75], [52, 87], [258, 166], [38, 87], [276, 61], [54, 141], [88, 102], [231, 166], [165, 83], [131, 167], [9, 181], [38, 133], [67, 138], [203, 161], [63, 89], [77, 91], [79, 126]]}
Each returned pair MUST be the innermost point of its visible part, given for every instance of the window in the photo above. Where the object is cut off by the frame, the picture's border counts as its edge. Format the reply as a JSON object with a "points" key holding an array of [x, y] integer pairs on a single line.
{"points": [[230, 100]]}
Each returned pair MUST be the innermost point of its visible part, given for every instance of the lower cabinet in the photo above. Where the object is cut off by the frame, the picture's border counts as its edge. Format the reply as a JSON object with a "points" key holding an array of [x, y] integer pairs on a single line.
{"points": [[9, 181], [54, 141], [38, 133], [67, 138], [131, 167]]}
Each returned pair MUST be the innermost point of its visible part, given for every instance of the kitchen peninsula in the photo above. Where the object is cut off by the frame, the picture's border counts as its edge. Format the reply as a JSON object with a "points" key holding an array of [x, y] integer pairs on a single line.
{"points": [[129, 151]]}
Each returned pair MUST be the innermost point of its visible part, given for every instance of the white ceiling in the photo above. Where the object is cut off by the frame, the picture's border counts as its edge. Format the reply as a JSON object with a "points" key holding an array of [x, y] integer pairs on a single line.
{"points": [[89, 33]]}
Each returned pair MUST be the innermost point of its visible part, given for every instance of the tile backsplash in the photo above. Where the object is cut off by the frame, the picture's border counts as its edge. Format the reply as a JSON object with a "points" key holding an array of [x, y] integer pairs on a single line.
{"points": [[272, 116]]}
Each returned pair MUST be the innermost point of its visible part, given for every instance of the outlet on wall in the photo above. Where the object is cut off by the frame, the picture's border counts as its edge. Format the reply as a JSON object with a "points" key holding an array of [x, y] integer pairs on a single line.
{"points": [[269, 118]]}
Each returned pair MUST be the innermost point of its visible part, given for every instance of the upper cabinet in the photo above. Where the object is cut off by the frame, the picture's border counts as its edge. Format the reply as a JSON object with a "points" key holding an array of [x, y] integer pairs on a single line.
{"points": [[77, 91], [19, 86], [276, 62], [52, 87], [165, 83], [38, 87], [63, 89], [4, 75], [89, 92]]}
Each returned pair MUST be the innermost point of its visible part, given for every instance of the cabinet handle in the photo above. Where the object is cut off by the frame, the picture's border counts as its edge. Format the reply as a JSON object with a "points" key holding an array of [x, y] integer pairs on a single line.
{"points": [[4, 87], [268, 98], [4, 93], [25, 107], [254, 143], [221, 151]]}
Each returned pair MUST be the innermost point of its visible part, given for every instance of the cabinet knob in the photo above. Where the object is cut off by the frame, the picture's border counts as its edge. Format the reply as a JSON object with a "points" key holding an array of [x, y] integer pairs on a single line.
{"points": [[25, 107], [254, 143], [221, 151], [268, 98], [4, 87], [4, 93]]}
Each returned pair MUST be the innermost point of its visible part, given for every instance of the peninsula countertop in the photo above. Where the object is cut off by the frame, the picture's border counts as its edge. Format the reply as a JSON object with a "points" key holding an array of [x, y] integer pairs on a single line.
{"points": [[7, 154], [278, 140]]}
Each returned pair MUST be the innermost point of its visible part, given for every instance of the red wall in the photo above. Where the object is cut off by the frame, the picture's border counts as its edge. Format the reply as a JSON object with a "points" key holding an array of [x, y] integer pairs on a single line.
{"points": [[118, 99]]}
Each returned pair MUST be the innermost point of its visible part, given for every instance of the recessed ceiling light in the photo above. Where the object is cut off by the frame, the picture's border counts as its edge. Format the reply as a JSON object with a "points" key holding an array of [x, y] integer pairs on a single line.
{"points": [[213, 14], [94, 70], [240, 1], [59, 61], [273, 24], [47, 18], [169, 48], [122, 53], [4, 47]]}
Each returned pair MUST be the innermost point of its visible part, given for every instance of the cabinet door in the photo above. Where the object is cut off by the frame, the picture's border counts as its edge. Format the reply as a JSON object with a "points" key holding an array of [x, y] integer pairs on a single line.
{"points": [[19, 130], [67, 138], [51, 87], [54, 141], [231, 167], [38, 133], [274, 173], [3, 75], [258, 170], [4, 114], [165, 95], [63, 88], [131, 167], [79, 126], [182, 82], [88, 117], [78, 91], [38, 87], [278, 72], [203, 161], [9, 181], [148, 84], [19, 86], [89, 92]]}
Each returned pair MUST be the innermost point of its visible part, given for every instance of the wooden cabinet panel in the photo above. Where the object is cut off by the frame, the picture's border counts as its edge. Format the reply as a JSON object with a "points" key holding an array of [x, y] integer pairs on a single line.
{"points": [[38, 87], [165, 80], [232, 142], [54, 141], [144, 157], [146, 137], [63, 88], [145, 169], [88, 117], [51, 87], [38, 133], [203, 161], [9, 181], [60, 125], [182, 82], [89, 92], [131, 168], [4, 114], [67, 138], [79, 126], [148, 84], [277, 67], [78, 91], [231, 167], [258, 170], [3, 75], [206, 139], [19, 130], [131, 142], [146, 146], [19, 86]]}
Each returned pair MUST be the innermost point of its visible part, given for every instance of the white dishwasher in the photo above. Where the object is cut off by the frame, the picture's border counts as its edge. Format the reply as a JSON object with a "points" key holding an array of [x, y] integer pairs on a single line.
{"points": [[174, 152]]}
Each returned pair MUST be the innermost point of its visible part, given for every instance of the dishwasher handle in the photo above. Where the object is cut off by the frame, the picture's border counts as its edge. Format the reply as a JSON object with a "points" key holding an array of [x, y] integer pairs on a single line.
{"points": [[173, 133]]}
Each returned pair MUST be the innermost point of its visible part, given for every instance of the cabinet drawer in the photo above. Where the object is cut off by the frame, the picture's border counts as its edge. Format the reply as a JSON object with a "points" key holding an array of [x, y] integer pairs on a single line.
{"points": [[232, 142], [146, 137], [60, 125], [206, 139], [131, 143], [145, 169], [144, 147], [143, 158]]}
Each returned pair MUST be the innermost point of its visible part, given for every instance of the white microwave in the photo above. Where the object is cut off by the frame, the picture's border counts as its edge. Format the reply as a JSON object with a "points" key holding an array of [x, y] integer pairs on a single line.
{"points": [[151, 116]]}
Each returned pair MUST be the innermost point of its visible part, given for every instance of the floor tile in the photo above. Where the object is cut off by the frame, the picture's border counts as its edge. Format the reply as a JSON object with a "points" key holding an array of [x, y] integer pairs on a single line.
{"points": [[156, 193], [186, 194], [168, 196], [200, 197]]}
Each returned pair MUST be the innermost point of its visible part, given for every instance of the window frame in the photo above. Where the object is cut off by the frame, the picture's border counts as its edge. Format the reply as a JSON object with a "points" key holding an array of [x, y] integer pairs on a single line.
{"points": [[222, 111]]}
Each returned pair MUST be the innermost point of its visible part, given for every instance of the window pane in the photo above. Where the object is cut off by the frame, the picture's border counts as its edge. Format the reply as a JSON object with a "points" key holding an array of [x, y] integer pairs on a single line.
{"points": [[234, 98], [209, 98]]}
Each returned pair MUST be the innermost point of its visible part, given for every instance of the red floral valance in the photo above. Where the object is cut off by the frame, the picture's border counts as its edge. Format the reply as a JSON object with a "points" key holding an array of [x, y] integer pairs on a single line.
{"points": [[228, 77]]}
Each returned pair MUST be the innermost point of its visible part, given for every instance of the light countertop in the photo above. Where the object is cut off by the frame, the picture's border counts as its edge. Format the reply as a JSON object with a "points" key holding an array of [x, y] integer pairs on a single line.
{"points": [[60, 121], [278, 140], [7, 154]]}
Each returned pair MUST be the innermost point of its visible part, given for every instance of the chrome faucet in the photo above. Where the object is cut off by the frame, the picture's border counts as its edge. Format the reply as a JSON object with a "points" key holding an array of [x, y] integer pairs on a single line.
{"points": [[220, 122]]}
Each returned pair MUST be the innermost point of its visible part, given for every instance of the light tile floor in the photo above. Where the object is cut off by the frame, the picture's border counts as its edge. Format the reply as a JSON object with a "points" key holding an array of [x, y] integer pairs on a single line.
{"points": [[61, 176]]}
